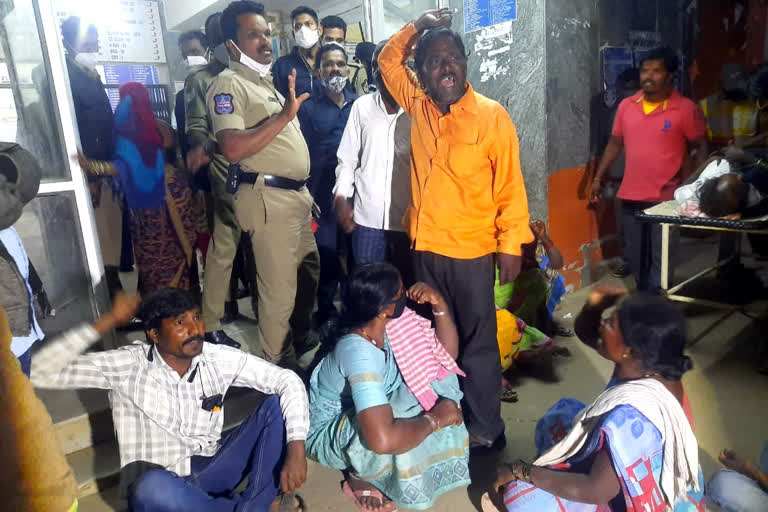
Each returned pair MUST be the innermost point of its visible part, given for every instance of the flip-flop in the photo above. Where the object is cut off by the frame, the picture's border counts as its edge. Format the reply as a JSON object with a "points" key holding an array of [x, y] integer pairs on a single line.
{"points": [[287, 503], [354, 495]]}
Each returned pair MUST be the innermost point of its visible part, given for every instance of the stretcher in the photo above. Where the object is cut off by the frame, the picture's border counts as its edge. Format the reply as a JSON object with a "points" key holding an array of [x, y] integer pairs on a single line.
{"points": [[666, 215]]}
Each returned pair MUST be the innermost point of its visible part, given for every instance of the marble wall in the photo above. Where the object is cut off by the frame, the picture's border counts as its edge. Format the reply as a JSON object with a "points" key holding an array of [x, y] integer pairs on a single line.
{"points": [[507, 63]]}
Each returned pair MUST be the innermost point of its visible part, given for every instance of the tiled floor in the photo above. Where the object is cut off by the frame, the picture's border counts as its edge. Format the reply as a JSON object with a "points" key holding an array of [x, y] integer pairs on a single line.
{"points": [[727, 395]]}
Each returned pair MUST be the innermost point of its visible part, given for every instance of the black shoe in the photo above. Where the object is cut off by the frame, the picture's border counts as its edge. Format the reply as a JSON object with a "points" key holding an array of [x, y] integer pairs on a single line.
{"points": [[479, 446], [623, 271], [231, 312], [221, 338]]}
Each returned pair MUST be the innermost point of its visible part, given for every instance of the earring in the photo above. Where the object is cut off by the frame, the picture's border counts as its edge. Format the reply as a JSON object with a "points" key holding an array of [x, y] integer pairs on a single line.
{"points": [[625, 355]]}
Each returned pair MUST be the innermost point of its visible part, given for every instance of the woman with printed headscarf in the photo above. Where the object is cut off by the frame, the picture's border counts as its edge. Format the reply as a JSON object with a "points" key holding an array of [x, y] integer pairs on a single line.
{"points": [[163, 219]]}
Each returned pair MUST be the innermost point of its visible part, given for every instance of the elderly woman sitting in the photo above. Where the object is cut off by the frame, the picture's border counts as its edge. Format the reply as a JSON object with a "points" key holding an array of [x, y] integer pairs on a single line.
{"points": [[384, 401], [633, 448]]}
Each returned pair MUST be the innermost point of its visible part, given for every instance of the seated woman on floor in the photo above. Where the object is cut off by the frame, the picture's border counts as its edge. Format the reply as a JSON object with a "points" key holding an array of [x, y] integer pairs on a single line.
{"points": [[632, 449], [384, 401]]}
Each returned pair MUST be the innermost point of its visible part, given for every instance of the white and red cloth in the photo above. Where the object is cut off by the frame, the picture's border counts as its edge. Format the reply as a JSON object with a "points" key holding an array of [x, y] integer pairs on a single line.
{"points": [[420, 356]]}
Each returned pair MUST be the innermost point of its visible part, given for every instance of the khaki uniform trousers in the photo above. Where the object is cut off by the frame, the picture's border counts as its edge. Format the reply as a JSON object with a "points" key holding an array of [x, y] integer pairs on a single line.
{"points": [[221, 253], [287, 263]]}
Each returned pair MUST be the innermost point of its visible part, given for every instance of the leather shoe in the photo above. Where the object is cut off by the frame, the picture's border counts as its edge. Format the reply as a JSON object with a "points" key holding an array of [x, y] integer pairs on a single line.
{"points": [[221, 338], [231, 312]]}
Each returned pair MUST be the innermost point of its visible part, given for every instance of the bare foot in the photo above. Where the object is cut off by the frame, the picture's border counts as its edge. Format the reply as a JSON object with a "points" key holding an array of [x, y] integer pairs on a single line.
{"points": [[376, 501]]}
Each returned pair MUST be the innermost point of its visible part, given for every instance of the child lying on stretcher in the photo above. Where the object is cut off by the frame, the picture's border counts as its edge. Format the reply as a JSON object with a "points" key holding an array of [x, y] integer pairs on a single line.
{"points": [[730, 187]]}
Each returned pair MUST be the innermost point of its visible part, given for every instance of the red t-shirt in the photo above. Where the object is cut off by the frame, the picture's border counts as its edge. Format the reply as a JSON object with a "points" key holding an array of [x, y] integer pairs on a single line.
{"points": [[655, 145]]}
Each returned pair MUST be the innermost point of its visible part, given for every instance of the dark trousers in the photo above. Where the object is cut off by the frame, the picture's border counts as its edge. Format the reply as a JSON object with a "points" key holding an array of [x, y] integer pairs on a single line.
{"points": [[467, 286], [642, 242], [371, 245], [327, 238], [253, 450], [25, 361]]}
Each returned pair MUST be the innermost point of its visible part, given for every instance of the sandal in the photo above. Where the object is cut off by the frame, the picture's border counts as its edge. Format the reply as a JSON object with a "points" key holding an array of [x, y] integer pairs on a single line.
{"points": [[354, 495], [288, 503], [507, 394]]}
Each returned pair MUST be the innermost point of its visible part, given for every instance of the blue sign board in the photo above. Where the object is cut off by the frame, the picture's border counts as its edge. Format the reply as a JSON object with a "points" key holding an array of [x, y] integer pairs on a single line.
{"points": [[484, 13], [118, 74]]}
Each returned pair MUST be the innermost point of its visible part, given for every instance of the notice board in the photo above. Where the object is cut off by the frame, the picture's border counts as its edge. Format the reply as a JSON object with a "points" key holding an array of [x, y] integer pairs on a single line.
{"points": [[485, 13], [129, 30]]}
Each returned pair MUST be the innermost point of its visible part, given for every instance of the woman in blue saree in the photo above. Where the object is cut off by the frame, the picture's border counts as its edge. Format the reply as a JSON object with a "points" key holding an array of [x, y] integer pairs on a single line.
{"points": [[632, 449], [364, 419]]}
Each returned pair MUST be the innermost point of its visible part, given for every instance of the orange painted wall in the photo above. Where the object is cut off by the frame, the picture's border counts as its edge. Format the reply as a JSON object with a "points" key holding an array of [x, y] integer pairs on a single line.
{"points": [[573, 222]]}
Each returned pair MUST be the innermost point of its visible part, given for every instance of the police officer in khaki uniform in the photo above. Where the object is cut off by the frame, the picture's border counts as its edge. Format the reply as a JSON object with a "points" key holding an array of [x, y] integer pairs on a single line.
{"points": [[256, 130], [226, 232]]}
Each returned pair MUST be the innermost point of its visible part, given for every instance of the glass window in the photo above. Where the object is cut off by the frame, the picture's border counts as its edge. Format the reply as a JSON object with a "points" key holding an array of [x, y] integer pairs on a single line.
{"points": [[27, 112]]}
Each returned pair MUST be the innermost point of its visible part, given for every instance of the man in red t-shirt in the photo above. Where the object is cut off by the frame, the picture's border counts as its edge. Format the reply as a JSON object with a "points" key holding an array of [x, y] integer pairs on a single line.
{"points": [[656, 127]]}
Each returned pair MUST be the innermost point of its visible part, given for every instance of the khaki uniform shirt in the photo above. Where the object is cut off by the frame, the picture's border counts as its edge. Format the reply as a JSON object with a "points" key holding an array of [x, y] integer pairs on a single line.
{"points": [[196, 110], [241, 99], [358, 77]]}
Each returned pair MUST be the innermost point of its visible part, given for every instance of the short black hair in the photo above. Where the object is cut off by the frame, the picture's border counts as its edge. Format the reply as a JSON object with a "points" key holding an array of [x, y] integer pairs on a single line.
{"points": [[628, 75], [666, 54], [330, 47], [303, 9], [718, 197], [209, 18], [334, 22], [165, 303], [70, 30], [656, 331], [420, 54], [369, 290], [229, 16], [194, 34]]}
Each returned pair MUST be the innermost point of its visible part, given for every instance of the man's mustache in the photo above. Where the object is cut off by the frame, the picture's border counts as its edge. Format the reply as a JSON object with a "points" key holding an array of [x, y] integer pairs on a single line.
{"points": [[191, 339]]}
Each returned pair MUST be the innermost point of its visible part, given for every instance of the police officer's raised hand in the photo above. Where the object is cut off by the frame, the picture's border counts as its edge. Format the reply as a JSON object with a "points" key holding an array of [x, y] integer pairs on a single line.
{"points": [[292, 103], [434, 18]]}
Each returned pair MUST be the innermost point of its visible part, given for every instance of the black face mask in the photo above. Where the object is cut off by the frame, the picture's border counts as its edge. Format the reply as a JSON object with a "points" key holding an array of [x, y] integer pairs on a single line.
{"points": [[399, 307]]}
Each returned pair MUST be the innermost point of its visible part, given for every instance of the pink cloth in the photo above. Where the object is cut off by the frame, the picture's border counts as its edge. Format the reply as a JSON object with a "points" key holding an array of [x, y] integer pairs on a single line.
{"points": [[420, 355]]}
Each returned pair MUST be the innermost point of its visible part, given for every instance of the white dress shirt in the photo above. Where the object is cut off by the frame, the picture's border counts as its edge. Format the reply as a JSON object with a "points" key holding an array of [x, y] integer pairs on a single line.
{"points": [[158, 415], [374, 164]]}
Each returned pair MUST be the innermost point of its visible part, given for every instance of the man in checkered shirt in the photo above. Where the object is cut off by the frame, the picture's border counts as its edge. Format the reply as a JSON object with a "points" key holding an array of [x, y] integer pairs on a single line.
{"points": [[166, 398]]}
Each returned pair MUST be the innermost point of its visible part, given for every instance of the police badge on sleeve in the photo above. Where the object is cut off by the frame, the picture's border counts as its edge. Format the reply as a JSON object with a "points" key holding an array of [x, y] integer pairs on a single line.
{"points": [[224, 104]]}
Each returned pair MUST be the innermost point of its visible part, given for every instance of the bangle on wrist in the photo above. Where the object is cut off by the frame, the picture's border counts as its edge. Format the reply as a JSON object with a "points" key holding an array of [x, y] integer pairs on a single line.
{"points": [[439, 313], [522, 470], [433, 421]]}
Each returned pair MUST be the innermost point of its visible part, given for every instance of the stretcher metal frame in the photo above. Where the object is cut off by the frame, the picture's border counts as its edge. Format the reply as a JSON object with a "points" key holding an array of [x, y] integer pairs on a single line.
{"points": [[665, 215]]}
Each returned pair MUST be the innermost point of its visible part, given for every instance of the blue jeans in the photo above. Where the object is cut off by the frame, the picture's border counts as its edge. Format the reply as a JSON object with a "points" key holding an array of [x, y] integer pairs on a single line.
{"points": [[254, 450], [371, 245], [735, 492], [327, 239]]}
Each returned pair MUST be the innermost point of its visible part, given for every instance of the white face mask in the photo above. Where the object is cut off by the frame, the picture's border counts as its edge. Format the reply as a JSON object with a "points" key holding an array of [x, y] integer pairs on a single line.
{"points": [[306, 37], [261, 69], [195, 60], [87, 60]]}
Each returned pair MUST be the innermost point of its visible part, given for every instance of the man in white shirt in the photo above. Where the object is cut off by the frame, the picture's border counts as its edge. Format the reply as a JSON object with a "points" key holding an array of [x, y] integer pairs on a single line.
{"points": [[167, 406], [374, 174]]}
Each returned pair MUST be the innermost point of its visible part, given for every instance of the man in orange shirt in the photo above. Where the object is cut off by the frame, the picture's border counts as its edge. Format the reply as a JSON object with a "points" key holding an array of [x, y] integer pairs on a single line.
{"points": [[468, 201]]}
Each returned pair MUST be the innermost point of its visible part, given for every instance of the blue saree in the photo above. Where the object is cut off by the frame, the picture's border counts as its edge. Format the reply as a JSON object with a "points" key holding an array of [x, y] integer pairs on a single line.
{"points": [[357, 376]]}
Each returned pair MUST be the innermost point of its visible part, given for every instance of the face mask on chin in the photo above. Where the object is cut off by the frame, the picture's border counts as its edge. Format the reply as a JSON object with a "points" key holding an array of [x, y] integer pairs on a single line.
{"points": [[306, 37], [261, 69], [87, 59]]}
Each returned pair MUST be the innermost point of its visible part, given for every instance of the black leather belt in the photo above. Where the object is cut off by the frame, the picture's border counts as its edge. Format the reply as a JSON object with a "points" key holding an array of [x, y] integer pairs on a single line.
{"points": [[272, 181]]}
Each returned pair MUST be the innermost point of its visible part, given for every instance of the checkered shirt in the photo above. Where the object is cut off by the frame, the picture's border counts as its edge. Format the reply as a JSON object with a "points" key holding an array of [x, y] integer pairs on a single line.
{"points": [[157, 415]]}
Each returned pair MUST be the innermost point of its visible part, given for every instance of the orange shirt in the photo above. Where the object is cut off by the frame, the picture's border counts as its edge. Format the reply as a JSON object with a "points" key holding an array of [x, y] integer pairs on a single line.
{"points": [[467, 193]]}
